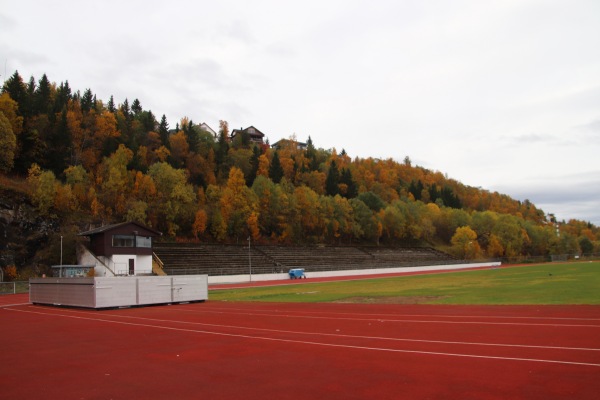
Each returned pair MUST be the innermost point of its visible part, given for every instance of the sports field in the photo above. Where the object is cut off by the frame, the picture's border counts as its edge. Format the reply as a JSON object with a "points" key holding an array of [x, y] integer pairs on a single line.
{"points": [[566, 283], [293, 350]]}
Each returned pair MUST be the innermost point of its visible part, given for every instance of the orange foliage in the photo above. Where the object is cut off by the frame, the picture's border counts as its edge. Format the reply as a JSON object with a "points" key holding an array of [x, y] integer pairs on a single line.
{"points": [[10, 273]]}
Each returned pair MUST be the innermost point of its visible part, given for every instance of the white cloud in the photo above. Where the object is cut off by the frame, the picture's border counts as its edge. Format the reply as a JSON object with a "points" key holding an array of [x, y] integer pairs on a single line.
{"points": [[496, 94]]}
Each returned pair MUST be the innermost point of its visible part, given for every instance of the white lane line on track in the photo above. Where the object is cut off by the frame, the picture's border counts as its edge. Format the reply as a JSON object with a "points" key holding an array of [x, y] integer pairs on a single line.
{"points": [[313, 343], [399, 320], [13, 305], [345, 335], [216, 309]]}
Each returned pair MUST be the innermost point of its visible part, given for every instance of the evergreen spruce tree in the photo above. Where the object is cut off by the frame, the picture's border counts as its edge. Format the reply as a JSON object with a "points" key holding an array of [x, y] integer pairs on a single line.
{"points": [[63, 95], [87, 101], [433, 193], [136, 107], [311, 154], [222, 148], [416, 188], [275, 169], [42, 102], [111, 105], [449, 198], [125, 109], [351, 188], [29, 107], [254, 162], [333, 179], [17, 91], [192, 136], [148, 121], [163, 131], [59, 145]]}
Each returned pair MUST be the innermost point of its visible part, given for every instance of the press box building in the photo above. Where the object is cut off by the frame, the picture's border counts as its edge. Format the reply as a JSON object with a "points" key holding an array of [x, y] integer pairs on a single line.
{"points": [[123, 249]]}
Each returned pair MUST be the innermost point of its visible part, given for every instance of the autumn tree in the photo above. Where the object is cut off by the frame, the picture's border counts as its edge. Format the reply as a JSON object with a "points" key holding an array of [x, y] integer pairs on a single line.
{"points": [[200, 223], [464, 243], [8, 144], [237, 203], [43, 185], [494, 247], [394, 223], [102, 140], [342, 222], [308, 214], [79, 182], [179, 149], [10, 109], [217, 226], [365, 224], [263, 166], [115, 182], [269, 207], [175, 200], [511, 234]]}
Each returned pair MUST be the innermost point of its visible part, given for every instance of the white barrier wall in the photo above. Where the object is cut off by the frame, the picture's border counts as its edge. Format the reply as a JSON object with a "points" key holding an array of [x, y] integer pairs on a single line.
{"points": [[358, 272], [104, 292]]}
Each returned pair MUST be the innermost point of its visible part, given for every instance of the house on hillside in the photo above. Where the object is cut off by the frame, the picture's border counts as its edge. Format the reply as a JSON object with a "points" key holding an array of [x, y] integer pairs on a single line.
{"points": [[120, 249], [287, 142], [254, 134], [204, 126]]}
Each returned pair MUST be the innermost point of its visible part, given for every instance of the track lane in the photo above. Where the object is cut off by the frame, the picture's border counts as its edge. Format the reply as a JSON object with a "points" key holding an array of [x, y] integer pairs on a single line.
{"points": [[249, 351], [315, 337]]}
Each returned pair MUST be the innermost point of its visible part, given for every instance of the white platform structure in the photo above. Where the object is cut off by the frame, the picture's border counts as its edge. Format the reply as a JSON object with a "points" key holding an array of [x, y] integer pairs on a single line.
{"points": [[110, 292]]}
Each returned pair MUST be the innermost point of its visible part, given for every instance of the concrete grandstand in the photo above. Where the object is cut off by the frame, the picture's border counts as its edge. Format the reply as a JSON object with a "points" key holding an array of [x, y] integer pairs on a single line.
{"points": [[219, 260]]}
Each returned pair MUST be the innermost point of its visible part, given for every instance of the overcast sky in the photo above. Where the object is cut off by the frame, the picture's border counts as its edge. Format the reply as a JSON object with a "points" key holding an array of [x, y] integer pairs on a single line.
{"points": [[504, 95]]}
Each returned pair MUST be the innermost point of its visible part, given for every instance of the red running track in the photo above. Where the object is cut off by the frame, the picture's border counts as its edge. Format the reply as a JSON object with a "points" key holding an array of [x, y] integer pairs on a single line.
{"points": [[233, 350]]}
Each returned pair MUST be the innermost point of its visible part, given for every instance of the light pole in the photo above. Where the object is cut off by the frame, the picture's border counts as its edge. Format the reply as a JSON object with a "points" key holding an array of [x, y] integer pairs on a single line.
{"points": [[249, 259], [61, 249]]}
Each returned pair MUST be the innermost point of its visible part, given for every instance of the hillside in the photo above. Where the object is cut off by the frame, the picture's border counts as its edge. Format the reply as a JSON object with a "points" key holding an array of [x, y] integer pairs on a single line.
{"points": [[73, 161]]}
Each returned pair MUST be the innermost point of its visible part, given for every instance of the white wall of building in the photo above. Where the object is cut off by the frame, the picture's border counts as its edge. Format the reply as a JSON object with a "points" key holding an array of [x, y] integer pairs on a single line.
{"points": [[119, 263], [142, 264]]}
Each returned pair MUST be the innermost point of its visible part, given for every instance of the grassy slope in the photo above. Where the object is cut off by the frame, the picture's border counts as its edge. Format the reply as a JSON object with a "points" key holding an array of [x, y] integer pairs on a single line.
{"points": [[570, 283]]}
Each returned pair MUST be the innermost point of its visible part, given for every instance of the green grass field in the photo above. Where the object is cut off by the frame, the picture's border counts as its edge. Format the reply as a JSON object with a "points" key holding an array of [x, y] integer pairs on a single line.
{"points": [[568, 283]]}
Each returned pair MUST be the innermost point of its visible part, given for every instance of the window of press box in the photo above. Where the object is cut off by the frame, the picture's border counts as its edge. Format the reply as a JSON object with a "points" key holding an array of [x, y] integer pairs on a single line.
{"points": [[131, 241], [123, 241], [143, 241]]}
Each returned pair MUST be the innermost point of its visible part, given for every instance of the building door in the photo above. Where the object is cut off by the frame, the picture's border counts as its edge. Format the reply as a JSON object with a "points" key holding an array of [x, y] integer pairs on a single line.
{"points": [[131, 266]]}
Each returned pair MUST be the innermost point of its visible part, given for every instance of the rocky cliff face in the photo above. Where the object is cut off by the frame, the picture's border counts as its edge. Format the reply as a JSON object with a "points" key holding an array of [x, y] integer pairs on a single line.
{"points": [[23, 233]]}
